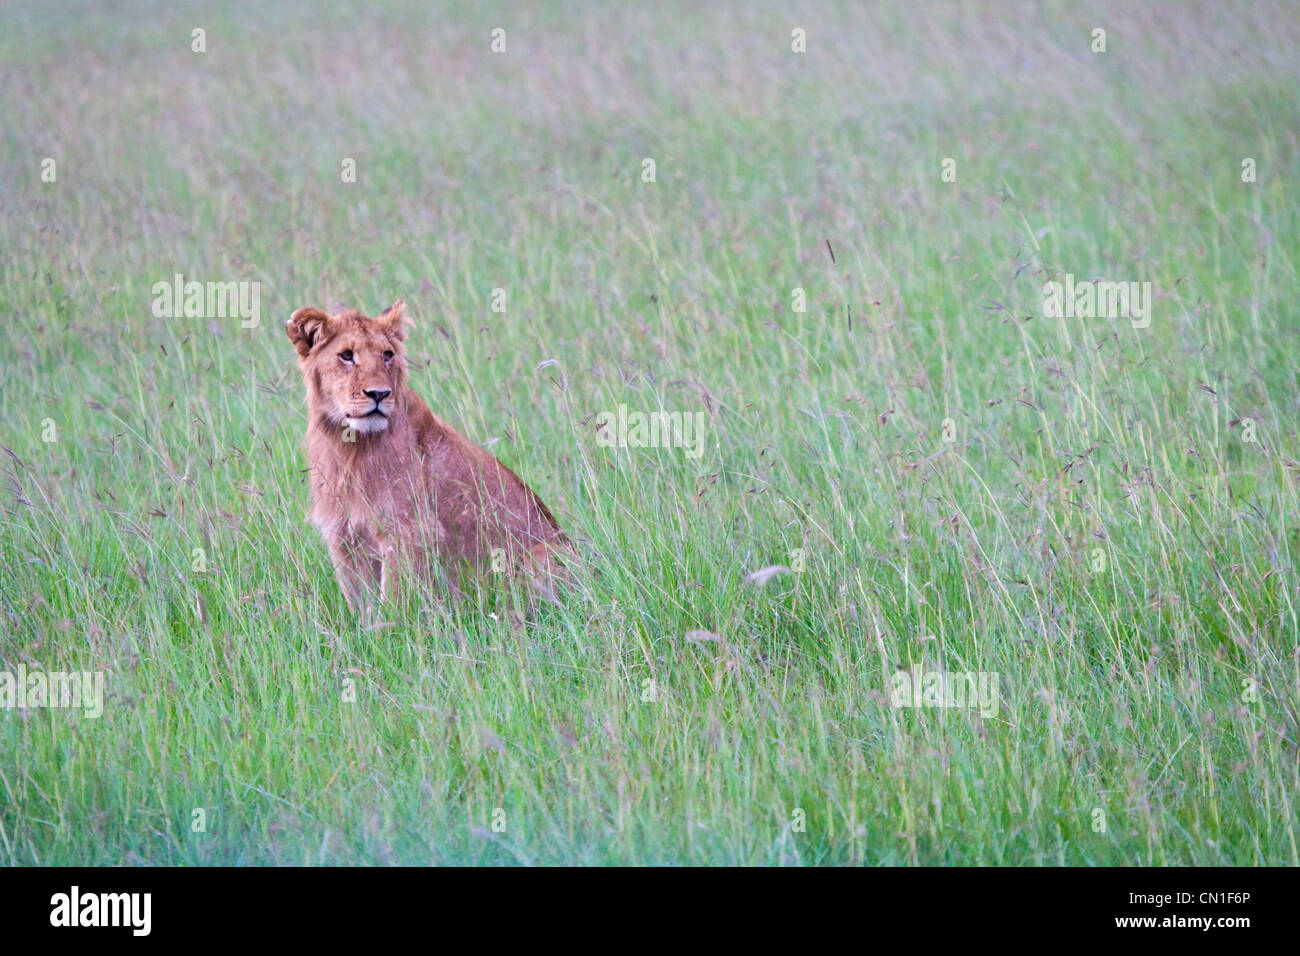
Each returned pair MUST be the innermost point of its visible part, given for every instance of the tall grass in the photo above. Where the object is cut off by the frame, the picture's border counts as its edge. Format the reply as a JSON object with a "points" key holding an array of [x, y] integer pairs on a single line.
{"points": [[956, 481]]}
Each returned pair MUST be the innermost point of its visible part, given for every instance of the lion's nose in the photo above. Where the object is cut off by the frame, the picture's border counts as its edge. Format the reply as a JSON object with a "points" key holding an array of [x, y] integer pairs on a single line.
{"points": [[379, 394]]}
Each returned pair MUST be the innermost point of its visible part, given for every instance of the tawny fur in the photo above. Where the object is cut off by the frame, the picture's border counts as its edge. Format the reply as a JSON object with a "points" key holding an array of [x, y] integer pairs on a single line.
{"points": [[396, 491]]}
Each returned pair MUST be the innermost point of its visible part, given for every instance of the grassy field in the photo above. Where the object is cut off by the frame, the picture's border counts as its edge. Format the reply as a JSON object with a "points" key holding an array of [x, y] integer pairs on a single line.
{"points": [[838, 261]]}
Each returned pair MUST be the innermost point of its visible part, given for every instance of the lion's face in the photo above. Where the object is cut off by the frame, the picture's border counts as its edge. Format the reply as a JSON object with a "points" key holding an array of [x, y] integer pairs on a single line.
{"points": [[353, 365]]}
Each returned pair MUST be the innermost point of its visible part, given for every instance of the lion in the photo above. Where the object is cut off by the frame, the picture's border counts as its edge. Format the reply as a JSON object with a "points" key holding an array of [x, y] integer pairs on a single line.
{"points": [[398, 493]]}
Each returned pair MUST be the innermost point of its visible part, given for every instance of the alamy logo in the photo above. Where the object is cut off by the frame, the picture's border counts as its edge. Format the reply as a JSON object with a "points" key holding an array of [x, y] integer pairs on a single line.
{"points": [[624, 429], [179, 299], [1098, 300], [945, 689], [102, 909], [22, 689]]}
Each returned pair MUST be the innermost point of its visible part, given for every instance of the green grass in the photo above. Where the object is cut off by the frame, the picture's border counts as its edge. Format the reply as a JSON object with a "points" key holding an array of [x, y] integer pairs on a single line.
{"points": [[1097, 533]]}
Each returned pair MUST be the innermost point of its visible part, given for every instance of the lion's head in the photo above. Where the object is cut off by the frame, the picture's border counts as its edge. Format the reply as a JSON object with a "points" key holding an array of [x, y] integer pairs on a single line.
{"points": [[354, 366]]}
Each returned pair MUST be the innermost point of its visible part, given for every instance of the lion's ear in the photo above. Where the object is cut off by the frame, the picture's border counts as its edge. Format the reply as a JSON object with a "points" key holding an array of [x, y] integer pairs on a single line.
{"points": [[395, 319], [305, 327]]}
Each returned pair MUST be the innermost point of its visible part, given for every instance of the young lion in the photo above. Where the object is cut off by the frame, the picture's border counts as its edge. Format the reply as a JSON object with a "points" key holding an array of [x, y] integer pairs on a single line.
{"points": [[395, 487]]}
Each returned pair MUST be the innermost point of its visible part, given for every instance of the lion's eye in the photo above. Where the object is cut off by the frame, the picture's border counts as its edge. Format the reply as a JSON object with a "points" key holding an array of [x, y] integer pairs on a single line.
{"points": [[346, 355], [388, 356]]}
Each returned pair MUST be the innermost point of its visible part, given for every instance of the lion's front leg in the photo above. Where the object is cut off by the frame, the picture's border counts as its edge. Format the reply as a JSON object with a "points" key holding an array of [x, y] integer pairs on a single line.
{"points": [[359, 574], [410, 564], [390, 576]]}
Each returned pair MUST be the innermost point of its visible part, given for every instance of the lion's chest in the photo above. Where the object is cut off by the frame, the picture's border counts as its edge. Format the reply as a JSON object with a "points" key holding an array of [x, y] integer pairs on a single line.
{"points": [[377, 509]]}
